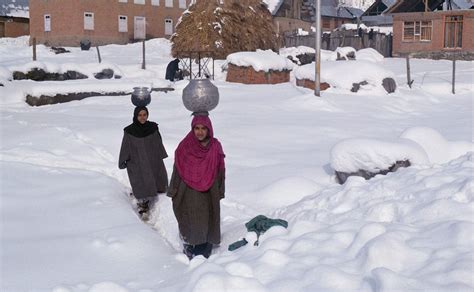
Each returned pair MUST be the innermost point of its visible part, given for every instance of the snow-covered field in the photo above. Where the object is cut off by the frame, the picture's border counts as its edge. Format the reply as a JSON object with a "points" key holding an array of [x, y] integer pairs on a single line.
{"points": [[68, 223]]}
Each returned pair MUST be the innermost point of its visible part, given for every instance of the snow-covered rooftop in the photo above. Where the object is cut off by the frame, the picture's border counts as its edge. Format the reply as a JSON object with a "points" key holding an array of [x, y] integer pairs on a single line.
{"points": [[15, 8]]}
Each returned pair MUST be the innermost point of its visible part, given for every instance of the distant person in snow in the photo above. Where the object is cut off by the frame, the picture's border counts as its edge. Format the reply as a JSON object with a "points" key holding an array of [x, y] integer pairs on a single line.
{"points": [[142, 154], [197, 186], [173, 72]]}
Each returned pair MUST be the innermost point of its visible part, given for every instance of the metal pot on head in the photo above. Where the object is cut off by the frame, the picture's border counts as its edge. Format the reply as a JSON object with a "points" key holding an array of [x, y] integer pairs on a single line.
{"points": [[141, 96], [200, 96]]}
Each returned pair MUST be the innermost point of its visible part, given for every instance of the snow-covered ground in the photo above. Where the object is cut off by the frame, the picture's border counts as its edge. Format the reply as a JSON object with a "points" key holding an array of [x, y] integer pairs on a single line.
{"points": [[68, 223]]}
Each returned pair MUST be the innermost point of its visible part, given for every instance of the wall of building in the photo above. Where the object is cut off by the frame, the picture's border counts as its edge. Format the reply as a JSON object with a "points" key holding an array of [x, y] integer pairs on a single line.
{"points": [[67, 20], [436, 45], [14, 27]]}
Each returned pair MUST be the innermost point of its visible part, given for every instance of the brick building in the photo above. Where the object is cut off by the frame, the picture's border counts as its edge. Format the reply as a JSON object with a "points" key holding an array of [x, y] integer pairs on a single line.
{"points": [[66, 23], [433, 28], [14, 18]]}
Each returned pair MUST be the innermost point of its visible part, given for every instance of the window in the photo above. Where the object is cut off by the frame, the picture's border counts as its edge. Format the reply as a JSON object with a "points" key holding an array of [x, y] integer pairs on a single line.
{"points": [[142, 2], [168, 26], [88, 21], [182, 4], [426, 30], [417, 31], [122, 23], [47, 22], [169, 3], [453, 31], [155, 2]]}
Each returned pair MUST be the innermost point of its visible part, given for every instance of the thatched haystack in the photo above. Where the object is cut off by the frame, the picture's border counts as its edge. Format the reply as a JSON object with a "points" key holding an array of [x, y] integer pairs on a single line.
{"points": [[233, 26]]}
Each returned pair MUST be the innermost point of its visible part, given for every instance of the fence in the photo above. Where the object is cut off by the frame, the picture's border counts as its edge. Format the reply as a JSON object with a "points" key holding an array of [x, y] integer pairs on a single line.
{"points": [[203, 64], [344, 38]]}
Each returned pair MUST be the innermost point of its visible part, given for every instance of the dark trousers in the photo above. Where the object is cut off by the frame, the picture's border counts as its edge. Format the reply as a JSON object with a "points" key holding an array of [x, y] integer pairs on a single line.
{"points": [[198, 249]]}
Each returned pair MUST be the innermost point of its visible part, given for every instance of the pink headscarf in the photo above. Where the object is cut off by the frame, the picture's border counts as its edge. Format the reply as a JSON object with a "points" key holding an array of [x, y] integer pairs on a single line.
{"points": [[198, 165]]}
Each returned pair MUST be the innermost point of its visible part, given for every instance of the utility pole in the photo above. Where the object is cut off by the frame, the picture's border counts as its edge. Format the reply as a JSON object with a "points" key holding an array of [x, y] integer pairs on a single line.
{"points": [[317, 75]]}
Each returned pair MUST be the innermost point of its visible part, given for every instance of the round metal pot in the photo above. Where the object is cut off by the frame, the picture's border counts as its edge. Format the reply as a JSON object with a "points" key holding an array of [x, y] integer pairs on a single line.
{"points": [[200, 95], [141, 96]]}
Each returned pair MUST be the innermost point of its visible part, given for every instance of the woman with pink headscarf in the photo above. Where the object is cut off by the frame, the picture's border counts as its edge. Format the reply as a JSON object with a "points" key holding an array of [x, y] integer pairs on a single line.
{"points": [[197, 186]]}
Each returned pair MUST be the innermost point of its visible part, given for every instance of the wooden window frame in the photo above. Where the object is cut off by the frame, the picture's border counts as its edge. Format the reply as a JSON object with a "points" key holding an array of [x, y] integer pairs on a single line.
{"points": [[456, 30], [421, 31]]}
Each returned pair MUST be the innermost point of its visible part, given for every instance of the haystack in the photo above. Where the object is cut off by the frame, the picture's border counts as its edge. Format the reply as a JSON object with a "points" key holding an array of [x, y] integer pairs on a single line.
{"points": [[226, 28]]}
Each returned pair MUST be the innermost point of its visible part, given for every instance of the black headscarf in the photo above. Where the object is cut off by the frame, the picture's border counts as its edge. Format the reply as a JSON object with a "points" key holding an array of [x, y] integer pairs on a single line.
{"points": [[138, 129]]}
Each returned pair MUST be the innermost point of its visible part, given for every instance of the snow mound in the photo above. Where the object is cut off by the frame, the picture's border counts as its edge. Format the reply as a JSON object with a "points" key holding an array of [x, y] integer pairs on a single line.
{"points": [[370, 55], [85, 68], [369, 233], [261, 60], [345, 51], [373, 155], [22, 41], [84, 85], [439, 150], [420, 145], [295, 51], [5, 74], [336, 73]]}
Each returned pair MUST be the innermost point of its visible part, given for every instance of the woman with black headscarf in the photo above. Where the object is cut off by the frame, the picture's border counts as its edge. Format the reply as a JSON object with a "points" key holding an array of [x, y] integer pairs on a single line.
{"points": [[142, 154]]}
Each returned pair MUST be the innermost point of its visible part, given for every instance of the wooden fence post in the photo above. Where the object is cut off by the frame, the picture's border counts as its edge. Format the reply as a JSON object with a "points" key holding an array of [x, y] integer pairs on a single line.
{"points": [[143, 63], [34, 49], [98, 54], [409, 81], [454, 74]]}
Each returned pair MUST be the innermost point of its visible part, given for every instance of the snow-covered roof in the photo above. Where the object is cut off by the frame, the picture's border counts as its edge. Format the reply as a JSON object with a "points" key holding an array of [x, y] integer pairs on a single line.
{"points": [[462, 4], [374, 20], [329, 8], [356, 12], [15, 8], [273, 5], [389, 3], [418, 5]]}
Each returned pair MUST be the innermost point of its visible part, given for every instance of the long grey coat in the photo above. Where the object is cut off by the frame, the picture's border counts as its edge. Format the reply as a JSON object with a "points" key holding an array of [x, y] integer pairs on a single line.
{"points": [[143, 158], [198, 213]]}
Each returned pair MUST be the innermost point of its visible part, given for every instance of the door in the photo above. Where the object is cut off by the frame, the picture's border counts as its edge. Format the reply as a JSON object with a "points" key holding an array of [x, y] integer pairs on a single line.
{"points": [[168, 26], [139, 32]]}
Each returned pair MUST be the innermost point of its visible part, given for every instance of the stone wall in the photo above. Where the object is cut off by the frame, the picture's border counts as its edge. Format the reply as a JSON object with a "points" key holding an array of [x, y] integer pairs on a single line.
{"points": [[248, 75], [311, 85]]}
